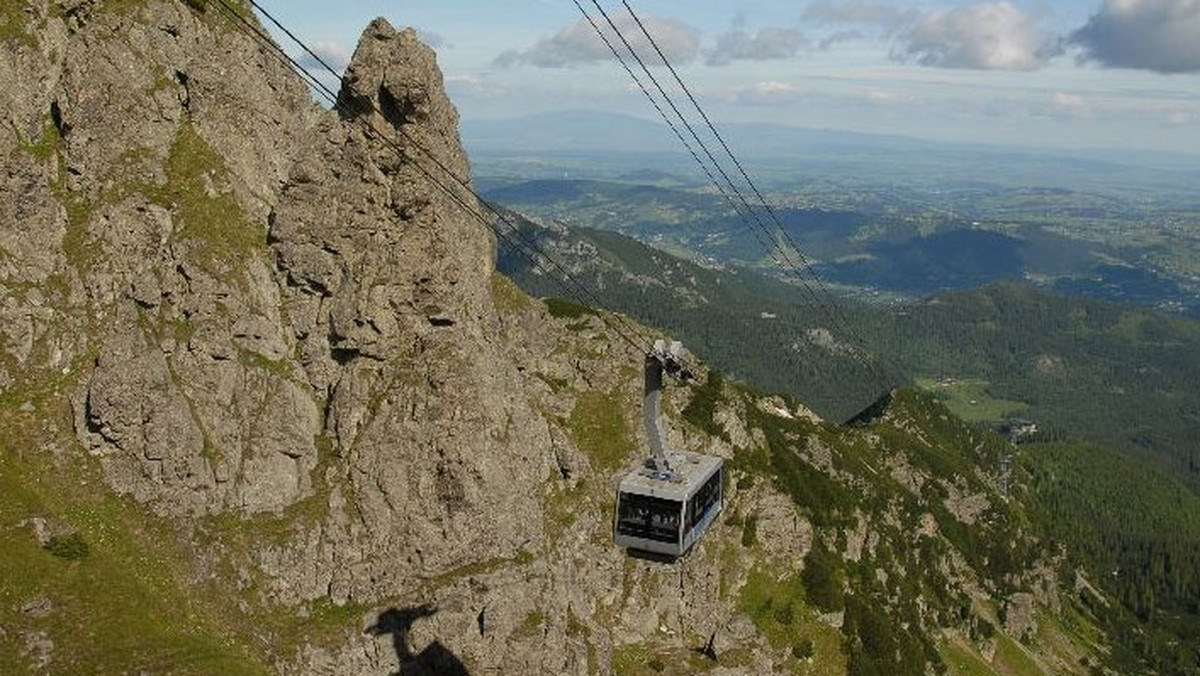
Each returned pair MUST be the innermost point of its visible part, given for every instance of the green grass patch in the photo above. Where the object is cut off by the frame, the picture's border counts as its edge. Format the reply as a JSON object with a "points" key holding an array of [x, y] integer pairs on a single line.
{"points": [[47, 145], [639, 659], [561, 308], [560, 504], [599, 428], [477, 568], [507, 297], [823, 500], [198, 192], [968, 399], [1012, 659], [71, 547], [556, 384], [325, 623], [777, 606], [703, 405], [204, 205], [773, 604], [121, 608], [750, 531], [278, 367], [12, 25], [824, 578], [962, 662], [533, 621]]}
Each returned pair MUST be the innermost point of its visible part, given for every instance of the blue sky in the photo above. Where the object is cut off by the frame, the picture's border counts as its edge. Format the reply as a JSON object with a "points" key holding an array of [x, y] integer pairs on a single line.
{"points": [[1067, 74]]}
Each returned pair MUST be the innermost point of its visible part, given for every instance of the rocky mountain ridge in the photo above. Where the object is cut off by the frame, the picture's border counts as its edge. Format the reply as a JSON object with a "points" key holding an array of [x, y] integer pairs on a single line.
{"points": [[269, 409]]}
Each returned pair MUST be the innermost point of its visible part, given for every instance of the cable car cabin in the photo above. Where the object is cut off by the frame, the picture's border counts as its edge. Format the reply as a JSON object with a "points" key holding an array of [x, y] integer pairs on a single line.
{"points": [[666, 512]]}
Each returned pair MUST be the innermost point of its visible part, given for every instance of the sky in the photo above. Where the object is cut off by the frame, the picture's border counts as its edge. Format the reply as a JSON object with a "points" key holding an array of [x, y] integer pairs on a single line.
{"points": [[1068, 74]]}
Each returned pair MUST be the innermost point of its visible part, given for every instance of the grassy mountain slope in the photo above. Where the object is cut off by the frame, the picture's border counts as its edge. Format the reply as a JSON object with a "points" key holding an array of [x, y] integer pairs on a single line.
{"points": [[747, 325]]}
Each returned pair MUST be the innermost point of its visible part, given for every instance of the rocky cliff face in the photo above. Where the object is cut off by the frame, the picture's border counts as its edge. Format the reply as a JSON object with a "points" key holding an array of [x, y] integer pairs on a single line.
{"points": [[260, 322], [138, 255], [243, 278]]}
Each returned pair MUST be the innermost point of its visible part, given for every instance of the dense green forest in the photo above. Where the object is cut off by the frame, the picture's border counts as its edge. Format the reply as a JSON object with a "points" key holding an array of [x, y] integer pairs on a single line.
{"points": [[1138, 533]]}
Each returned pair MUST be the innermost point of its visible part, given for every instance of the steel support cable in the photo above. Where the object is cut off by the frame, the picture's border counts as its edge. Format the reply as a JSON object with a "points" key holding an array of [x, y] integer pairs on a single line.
{"points": [[833, 308], [679, 135], [826, 306], [254, 31], [683, 119], [720, 139], [671, 124], [686, 144], [781, 259], [742, 170], [763, 240], [767, 245]]}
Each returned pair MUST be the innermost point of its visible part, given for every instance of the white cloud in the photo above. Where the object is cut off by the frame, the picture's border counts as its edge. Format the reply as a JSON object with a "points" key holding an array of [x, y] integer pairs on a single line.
{"points": [[987, 36], [1179, 118], [767, 93], [475, 85], [838, 37], [882, 98], [578, 43], [990, 35], [768, 44], [1157, 35]]}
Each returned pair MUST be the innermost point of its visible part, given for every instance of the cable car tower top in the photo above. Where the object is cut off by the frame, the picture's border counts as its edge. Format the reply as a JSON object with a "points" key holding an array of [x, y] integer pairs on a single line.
{"points": [[664, 358]]}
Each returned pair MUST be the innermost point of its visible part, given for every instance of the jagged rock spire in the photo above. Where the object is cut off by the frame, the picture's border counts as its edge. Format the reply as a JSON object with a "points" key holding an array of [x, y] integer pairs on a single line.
{"points": [[393, 80]]}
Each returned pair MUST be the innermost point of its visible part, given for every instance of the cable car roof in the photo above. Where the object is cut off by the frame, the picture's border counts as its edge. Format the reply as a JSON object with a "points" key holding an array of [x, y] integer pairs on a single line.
{"points": [[690, 472]]}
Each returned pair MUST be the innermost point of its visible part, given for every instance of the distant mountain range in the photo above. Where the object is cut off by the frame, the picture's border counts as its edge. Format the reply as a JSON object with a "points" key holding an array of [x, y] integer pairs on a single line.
{"points": [[773, 145]]}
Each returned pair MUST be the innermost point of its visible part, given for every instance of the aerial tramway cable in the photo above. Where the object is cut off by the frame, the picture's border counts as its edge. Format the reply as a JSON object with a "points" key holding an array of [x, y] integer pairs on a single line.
{"points": [[775, 250], [742, 170], [721, 188], [241, 23], [827, 305], [686, 144]]}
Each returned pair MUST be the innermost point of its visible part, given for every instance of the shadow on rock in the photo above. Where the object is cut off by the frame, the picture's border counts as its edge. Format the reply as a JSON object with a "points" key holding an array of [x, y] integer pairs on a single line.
{"points": [[434, 659]]}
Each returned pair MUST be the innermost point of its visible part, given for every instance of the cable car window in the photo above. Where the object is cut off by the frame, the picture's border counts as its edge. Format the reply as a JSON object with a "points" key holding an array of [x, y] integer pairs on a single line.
{"points": [[703, 500], [642, 516]]}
